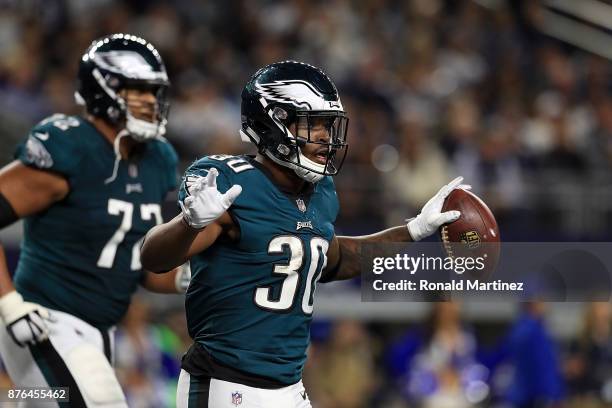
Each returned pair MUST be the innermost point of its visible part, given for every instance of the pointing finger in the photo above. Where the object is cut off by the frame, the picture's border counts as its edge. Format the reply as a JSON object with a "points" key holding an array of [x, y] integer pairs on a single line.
{"points": [[449, 216], [446, 190], [453, 184], [231, 194], [211, 178]]}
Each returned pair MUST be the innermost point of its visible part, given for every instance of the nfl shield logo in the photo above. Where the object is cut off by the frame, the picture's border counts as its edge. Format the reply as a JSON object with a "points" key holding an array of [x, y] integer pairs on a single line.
{"points": [[133, 170], [236, 398], [301, 205]]}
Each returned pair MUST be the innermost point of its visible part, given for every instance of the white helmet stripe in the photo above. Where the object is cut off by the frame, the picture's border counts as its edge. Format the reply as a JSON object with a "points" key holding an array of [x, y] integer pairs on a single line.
{"points": [[109, 91], [297, 93]]}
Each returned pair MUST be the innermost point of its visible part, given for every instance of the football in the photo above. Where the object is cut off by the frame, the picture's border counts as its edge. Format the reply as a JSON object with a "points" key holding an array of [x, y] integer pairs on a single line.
{"points": [[474, 234]]}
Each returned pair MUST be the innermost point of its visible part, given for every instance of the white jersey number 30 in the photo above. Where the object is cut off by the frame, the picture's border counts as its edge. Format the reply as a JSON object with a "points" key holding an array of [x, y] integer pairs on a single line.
{"points": [[290, 285]]}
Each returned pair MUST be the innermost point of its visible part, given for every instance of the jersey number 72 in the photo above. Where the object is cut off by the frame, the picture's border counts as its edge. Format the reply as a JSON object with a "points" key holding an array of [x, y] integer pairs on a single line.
{"points": [[126, 209]]}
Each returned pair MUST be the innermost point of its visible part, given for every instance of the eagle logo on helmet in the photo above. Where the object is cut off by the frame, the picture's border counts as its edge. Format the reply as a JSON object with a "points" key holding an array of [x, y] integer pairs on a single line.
{"points": [[288, 93], [128, 63], [298, 93]]}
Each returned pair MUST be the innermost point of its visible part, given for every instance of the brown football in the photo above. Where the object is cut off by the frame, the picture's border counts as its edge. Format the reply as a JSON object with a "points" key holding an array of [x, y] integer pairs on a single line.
{"points": [[474, 234]]}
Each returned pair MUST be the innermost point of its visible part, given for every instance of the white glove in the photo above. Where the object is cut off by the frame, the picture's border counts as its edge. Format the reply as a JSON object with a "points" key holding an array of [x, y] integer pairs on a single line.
{"points": [[430, 218], [206, 203], [26, 322], [182, 278]]}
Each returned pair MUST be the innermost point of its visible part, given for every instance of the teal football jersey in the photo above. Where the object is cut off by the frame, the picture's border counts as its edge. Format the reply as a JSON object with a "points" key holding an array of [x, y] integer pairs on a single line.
{"points": [[250, 302], [81, 255]]}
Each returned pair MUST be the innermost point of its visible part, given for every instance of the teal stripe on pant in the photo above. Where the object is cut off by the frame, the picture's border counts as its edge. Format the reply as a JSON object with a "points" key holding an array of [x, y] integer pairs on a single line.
{"points": [[199, 389]]}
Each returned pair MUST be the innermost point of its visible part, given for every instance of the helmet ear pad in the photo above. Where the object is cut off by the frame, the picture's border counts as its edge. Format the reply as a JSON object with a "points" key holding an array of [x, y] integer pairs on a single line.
{"points": [[273, 128], [285, 119]]}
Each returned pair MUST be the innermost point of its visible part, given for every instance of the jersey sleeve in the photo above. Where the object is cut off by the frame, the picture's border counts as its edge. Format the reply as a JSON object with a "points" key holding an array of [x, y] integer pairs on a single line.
{"points": [[200, 168], [169, 159], [334, 205], [52, 145]]}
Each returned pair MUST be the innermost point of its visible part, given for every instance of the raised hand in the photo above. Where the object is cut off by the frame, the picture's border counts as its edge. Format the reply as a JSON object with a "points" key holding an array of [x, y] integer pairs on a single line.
{"points": [[431, 218], [205, 203]]}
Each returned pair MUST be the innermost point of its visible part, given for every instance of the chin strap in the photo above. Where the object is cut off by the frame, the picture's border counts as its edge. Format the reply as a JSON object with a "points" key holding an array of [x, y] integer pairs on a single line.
{"points": [[142, 130], [116, 147], [302, 172], [305, 173]]}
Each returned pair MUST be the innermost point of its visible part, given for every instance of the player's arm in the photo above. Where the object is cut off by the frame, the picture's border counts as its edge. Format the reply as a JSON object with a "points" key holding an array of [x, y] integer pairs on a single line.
{"points": [[6, 284], [175, 281], [24, 191], [202, 220], [344, 253], [167, 245], [171, 244]]}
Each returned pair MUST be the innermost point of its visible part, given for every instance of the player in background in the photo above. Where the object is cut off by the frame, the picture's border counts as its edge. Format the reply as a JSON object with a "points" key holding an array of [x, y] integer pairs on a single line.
{"points": [[259, 232], [88, 189]]}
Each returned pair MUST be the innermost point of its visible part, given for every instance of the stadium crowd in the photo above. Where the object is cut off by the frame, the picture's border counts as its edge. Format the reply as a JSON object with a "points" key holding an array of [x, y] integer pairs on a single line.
{"points": [[433, 89]]}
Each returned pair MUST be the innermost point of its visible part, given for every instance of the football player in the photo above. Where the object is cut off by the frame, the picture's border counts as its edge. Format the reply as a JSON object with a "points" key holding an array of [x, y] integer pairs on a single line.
{"points": [[88, 188], [260, 235]]}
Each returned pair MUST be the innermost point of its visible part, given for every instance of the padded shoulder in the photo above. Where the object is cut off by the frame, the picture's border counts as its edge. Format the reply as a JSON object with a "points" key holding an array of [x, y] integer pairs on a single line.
{"points": [[227, 165], [54, 144]]}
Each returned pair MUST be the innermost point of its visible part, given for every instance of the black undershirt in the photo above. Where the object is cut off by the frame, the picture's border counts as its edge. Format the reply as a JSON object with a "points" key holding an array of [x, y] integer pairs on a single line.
{"points": [[199, 363]]}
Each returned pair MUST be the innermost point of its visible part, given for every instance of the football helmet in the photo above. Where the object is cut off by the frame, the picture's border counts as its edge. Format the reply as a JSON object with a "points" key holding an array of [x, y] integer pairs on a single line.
{"points": [[294, 95], [117, 62]]}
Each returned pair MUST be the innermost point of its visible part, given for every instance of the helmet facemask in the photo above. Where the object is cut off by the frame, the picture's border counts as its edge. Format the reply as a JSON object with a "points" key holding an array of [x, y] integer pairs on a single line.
{"points": [[138, 128], [332, 147], [142, 128], [321, 132]]}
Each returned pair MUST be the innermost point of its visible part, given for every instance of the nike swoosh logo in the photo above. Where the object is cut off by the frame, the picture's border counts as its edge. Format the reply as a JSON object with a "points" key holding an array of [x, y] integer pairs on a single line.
{"points": [[303, 394], [42, 136]]}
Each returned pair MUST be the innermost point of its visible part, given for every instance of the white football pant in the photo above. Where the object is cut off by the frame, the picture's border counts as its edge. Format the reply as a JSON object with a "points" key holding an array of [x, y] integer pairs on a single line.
{"points": [[76, 355], [213, 393]]}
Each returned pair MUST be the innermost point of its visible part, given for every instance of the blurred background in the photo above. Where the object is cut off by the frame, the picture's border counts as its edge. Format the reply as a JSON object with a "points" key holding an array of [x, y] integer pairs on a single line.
{"points": [[512, 95]]}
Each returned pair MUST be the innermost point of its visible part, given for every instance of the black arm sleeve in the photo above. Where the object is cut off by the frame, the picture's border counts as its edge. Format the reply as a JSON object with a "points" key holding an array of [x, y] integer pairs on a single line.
{"points": [[7, 214]]}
